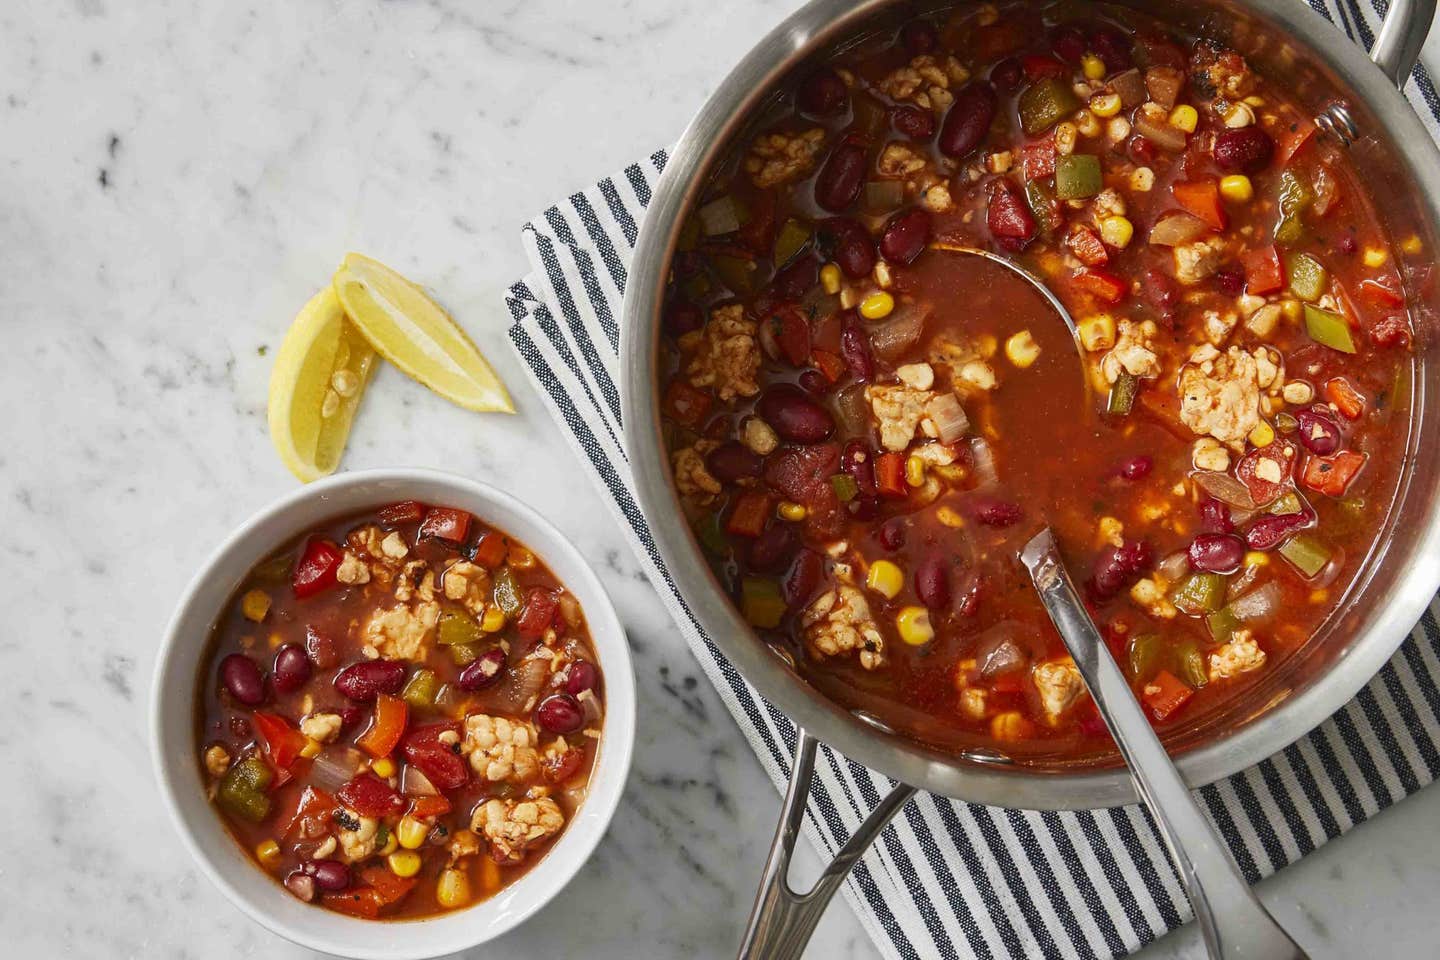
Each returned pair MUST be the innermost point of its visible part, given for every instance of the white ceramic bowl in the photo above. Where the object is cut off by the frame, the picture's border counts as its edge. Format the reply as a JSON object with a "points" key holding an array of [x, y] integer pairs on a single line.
{"points": [[176, 752]]}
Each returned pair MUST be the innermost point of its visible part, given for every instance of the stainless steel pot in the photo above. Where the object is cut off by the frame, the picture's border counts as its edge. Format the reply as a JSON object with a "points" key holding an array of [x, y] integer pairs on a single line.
{"points": [[1356, 101]]}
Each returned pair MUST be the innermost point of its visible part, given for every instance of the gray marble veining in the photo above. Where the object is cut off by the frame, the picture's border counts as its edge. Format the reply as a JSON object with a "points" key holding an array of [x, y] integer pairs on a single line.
{"points": [[176, 179]]}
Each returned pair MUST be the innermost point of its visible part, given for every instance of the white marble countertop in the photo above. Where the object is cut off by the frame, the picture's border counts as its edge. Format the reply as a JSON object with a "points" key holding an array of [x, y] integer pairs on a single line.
{"points": [[176, 178]]}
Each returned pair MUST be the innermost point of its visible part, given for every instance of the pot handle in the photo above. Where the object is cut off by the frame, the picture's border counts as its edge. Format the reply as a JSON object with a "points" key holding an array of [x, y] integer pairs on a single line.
{"points": [[782, 920], [1402, 34]]}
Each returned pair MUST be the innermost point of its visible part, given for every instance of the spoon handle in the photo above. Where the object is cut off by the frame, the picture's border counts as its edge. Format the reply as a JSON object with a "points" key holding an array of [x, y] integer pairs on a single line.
{"points": [[1234, 922]]}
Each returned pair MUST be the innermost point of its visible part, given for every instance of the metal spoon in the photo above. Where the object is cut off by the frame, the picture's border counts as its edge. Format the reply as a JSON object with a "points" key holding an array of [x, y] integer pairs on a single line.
{"points": [[1235, 923]]}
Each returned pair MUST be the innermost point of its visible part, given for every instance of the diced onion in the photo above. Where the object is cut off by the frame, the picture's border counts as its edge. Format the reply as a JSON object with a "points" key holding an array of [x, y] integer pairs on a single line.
{"points": [[1224, 488], [1174, 566], [949, 417], [1159, 132], [901, 331], [1261, 603], [984, 459], [416, 784], [333, 769], [1176, 229], [720, 217]]}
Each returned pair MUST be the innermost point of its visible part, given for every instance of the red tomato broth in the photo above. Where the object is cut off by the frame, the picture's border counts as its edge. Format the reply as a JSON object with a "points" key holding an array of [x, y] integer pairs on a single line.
{"points": [[1059, 455], [306, 807]]}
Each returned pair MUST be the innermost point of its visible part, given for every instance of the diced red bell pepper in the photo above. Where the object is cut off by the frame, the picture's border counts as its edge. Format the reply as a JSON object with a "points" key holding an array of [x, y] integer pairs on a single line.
{"points": [[1085, 243], [1202, 199], [792, 334], [890, 476], [446, 523], [378, 888], [427, 808], [1381, 292], [1280, 452], [685, 404], [1037, 160], [1264, 272], [312, 815], [370, 796], [1339, 392], [1392, 330], [392, 889], [830, 365], [1332, 475], [281, 741], [1165, 694], [1292, 142], [406, 511], [391, 715], [537, 614], [315, 570], [1101, 284], [748, 516], [490, 549], [363, 902], [1038, 66], [436, 759]]}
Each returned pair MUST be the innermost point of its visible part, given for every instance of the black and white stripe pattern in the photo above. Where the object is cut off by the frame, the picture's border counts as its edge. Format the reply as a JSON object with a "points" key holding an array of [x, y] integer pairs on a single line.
{"points": [[950, 879]]}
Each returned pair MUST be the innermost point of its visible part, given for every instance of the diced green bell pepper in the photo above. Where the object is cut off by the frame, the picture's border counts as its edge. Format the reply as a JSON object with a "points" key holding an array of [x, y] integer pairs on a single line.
{"points": [[1122, 394], [464, 654], [711, 537], [1045, 102], [457, 627], [242, 789], [1286, 422], [697, 287], [276, 569], [1143, 657], [1295, 196], [1330, 329], [507, 593], [1287, 503], [1190, 664], [761, 603], [1078, 176], [1306, 553], [735, 272], [420, 689], [844, 486], [1308, 279], [1200, 593], [1223, 624], [884, 195], [792, 239], [1042, 204]]}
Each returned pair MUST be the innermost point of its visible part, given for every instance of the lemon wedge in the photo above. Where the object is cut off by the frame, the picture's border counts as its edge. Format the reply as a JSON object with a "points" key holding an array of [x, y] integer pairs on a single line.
{"points": [[320, 374], [414, 333]]}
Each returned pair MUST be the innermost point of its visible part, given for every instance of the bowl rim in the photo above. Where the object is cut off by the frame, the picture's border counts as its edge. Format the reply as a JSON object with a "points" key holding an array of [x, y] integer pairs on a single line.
{"points": [[462, 929]]}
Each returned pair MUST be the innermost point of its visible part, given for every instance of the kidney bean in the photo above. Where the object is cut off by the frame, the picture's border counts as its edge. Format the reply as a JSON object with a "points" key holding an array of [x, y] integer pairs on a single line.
{"points": [[822, 94], [1230, 281], [1112, 46], [1008, 217], [912, 122], [1136, 468], [994, 512], [840, 179], [292, 668], [350, 715], [802, 578], [1160, 290], [1141, 150], [329, 875], [968, 120], [1215, 516], [365, 680], [320, 648], [242, 679], [794, 415], [905, 236], [732, 462], [919, 37], [1069, 44], [681, 317], [1247, 149], [932, 582], [795, 281], [1006, 75], [1116, 567], [813, 382], [1267, 531], [855, 349], [560, 713], [851, 246], [859, 462], [1216, 552], [483, 671], [581, 676], [773, 548], [1318, 433], [302, 886], [892, 534]]}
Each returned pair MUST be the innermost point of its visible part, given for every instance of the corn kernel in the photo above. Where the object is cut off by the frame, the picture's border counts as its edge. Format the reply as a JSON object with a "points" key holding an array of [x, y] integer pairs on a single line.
{"points": [[312, 748], [1011, 726], [914, 471], [1237, 188], [1087, 124], [391, 844], [1117, 129], [453, 888], [494, 619], [950, 517], [1105, 104], [986, 345], [830, 278], [791, 511], [885, 578], [1263, 434], [1256, 558], [1292, 309], [1142, 179], [1411, 244], [1375, 257], [877, 305], [1021, 349], [1065, 134], [1098, 332], [384, 767], [519, 557], [1184, 118], [913, 624], [268, 853], [1319, 595], [1093, 67], [1117, 231], [255, 605], [404, 863], [412, 832]]}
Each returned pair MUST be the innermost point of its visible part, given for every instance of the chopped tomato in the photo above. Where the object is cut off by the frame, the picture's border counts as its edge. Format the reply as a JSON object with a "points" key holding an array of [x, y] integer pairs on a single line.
{"points": [[748, 516], [561, 767], [1339, 392], [490, 549], [1389, 331], [890, 476], [1101, 284], [363, 902], [281, 741], [1165, 694], [1087, 246], [1332, 475], [439, 761], [792, 334], [1264, 273], [1381, 292], [316, 568], [1038, 160], [378, 889], [391, 715], [370, 796], [684, 403], [537, 614], [1292, 141], [1252, 472], [757, 234], [312, 815], [444, 523], [406, 511], [830, 365], [427, 808], [1202, 199]]}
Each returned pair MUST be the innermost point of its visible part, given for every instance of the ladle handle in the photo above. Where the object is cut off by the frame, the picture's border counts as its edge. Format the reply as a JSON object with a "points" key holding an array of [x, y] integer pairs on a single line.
{"points": [[1402, 34], [1234, 922], [782, 920]]}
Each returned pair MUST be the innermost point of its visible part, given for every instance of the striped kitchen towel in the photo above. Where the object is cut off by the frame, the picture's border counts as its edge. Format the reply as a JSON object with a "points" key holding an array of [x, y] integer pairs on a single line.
{"points": [[950, 879]]}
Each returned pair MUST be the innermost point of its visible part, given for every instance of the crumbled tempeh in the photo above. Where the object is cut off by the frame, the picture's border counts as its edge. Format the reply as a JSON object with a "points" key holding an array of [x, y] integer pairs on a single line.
{"points": [[725, 354], [1221, 397], [500, 748], [512, 826], [779, 158], [839, 621], [692, 478]]}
